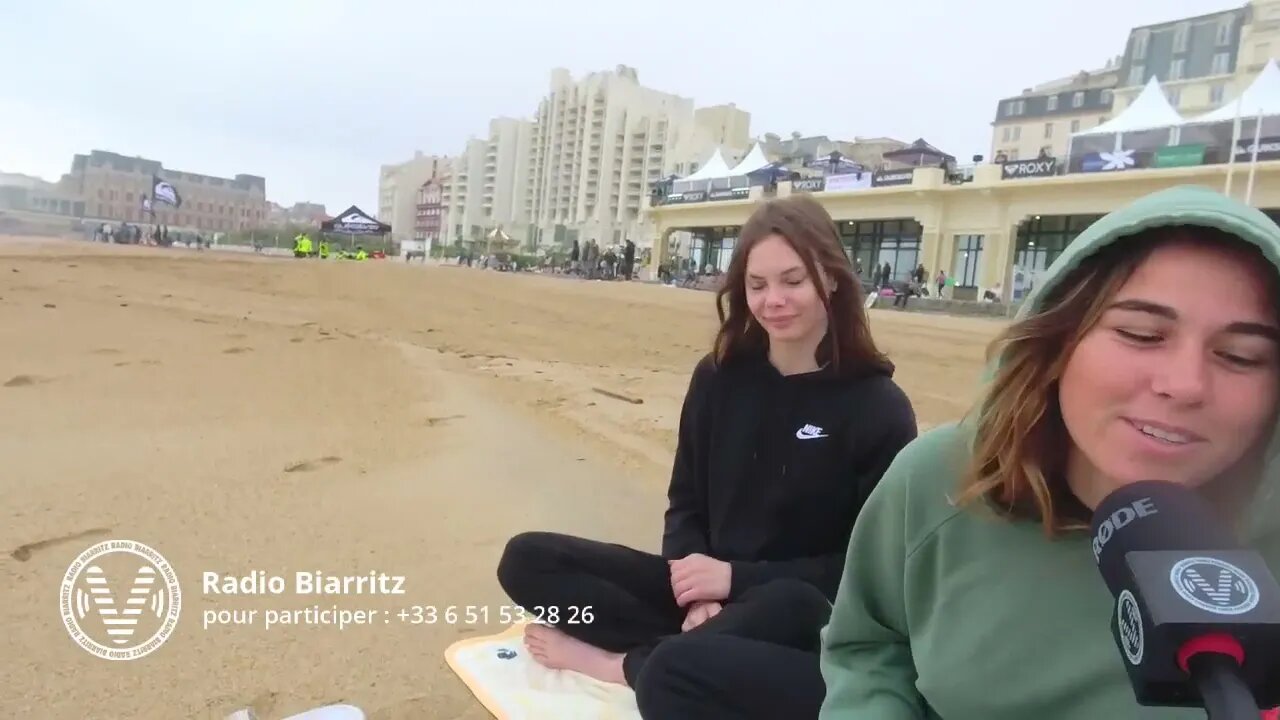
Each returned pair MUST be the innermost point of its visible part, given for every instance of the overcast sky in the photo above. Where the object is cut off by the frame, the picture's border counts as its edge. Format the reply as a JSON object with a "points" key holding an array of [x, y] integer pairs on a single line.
{"points": [[314, 95]]}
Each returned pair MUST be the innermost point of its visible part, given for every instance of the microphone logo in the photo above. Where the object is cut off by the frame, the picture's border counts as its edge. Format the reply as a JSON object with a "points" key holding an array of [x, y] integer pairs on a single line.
{"points": [[1214, 586], [1129, 623], [120, 600]]}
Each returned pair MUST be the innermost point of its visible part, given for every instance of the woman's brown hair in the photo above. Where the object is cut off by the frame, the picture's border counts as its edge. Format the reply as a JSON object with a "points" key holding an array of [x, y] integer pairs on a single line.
{"points": [[805, 225], [1019, 453]]}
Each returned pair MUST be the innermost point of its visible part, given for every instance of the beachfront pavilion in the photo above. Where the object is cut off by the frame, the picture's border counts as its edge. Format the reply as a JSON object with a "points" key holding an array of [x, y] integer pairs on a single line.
{"points": [[999, 225], [978, 232]]}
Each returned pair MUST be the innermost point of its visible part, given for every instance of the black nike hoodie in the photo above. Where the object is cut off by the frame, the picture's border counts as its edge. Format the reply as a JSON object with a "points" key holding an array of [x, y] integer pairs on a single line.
{"points": [[771, 470]]}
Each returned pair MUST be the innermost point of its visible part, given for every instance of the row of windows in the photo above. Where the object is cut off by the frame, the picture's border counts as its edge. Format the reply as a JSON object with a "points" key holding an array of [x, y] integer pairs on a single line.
{"points": [[1018, 107], [1182, 37], [1221, 65], [129, 196], [138, 215], [1013, 133]]}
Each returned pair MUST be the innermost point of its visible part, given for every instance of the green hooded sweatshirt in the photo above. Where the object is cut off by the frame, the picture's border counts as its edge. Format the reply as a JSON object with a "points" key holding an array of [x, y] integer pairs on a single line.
{"points": [[954, 614]]}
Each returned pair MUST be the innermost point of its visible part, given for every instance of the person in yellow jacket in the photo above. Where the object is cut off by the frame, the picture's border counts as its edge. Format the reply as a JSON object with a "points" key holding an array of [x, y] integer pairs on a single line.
{"points": [[361, 254], [324, 250]]}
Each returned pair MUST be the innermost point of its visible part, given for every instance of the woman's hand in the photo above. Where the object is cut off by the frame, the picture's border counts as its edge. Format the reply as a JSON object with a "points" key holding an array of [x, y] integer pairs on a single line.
{"points": [[698, 577], [699, 613]]}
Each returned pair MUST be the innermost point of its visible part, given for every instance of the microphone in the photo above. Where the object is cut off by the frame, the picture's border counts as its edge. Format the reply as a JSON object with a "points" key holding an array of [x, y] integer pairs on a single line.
{"points": [[1197, 616]]}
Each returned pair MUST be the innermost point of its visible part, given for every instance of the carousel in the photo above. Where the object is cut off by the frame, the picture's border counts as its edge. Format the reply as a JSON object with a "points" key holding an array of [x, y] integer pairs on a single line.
{"points": [[499, 250]]}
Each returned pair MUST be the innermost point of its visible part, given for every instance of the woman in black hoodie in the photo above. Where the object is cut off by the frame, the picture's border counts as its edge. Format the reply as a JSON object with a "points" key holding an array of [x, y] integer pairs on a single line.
{"points": [[786, 427]]}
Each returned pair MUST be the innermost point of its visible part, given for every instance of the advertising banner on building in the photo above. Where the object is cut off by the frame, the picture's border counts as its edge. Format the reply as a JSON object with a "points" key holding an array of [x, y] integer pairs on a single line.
{"points": [[817, 184], [850, 181], [1116, 161], [1268, 149], [728, 194], [693, 196], [1039, 167], [886, 178], [1179, 156]]}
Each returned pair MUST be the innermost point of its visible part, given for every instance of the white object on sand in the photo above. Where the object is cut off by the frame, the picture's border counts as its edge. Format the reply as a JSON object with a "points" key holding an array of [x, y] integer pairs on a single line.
{"points": [[512, 686], [328, 712]]}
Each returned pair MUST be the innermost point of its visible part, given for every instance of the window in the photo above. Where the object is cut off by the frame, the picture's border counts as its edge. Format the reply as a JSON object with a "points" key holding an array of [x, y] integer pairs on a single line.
{"points": [[1180, 35], [1178, 69], [1052, 103], [1225, 25], [1175, 96], [1217, 92], [1105, 97], [1221, 64], [1077, 99], [1137, 75], [1017, 133], [1140, 39], [968, 260], [1048, 130], [1007, 135]]}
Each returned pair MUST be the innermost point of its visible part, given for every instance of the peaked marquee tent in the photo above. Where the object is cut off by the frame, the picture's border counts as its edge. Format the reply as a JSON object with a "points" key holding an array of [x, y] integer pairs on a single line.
{"points": [[1262, 97], [1148, 123], [712, 168], [754, 161]]}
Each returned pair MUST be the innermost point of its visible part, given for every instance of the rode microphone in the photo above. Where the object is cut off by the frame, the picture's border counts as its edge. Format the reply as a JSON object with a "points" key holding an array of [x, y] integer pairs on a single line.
{"points": [[1197, 616]]}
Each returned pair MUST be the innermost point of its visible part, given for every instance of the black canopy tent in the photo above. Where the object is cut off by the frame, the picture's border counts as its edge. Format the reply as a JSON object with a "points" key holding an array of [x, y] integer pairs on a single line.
{"points": [[354, 221], [920, 154]]}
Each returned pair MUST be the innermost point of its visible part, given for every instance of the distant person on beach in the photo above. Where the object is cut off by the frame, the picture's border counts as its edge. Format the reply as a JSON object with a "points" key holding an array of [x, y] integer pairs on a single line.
{"points": [[787, 426]]}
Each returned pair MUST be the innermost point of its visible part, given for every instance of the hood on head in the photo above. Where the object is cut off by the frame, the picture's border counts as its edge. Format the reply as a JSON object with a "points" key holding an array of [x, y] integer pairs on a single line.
{"points": [[1184, 205]]}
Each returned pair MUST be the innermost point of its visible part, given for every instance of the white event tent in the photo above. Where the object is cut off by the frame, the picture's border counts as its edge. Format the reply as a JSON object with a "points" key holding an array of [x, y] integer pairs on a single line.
{"points": [[716, 174], [1242, 124], [1262, 97], [710, 170], [755, 160], [1149, 115]]}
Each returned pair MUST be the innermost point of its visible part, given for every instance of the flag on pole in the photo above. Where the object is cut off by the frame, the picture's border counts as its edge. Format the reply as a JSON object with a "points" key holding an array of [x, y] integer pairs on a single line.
{"points": [[164, 191]]}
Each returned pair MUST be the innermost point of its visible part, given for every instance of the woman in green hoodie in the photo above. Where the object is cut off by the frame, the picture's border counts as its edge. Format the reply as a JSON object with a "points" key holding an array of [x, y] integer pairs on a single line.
{"points": [[1149, 351]]}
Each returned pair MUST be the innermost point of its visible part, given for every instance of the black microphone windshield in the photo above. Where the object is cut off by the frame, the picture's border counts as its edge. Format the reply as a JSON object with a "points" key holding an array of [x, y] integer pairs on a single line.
{"points": [[1153, 515]]}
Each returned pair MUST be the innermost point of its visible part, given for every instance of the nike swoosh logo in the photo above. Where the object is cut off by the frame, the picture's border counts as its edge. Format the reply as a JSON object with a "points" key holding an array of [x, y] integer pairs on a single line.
{"points": [[802, 435]]}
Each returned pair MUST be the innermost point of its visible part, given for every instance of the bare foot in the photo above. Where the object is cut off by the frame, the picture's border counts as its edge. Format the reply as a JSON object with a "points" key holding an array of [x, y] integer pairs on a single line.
{"points": [[553, 649]]}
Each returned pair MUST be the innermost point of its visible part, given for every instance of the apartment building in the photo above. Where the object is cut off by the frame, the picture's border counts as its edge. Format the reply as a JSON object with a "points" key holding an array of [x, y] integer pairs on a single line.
{"points": [[398, 185], [429, 219], [601, 141], [1042, 119], [112, 187], [1201, 63], [799, 149], [1194, 59], [302, 213]]}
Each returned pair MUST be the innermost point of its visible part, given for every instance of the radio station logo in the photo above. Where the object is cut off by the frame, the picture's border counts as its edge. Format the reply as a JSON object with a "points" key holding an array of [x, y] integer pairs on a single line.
{"points": [[1129, 625], [1214, 585], [120, 600]]}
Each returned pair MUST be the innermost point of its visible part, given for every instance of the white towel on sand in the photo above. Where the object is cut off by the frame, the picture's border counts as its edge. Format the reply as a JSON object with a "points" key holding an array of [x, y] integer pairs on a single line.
{"points": [[512, 686]]}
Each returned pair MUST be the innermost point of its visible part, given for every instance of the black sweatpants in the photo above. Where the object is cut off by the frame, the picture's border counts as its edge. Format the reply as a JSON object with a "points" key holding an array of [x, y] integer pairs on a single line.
{"points": [[758, 658]]}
